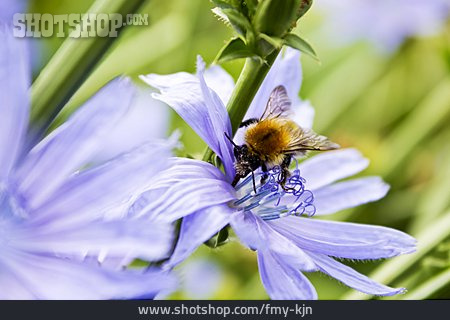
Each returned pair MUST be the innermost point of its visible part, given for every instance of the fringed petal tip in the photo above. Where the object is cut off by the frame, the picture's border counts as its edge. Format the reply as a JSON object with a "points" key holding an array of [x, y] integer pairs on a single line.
{"points": [[201, 65], [390, 293], [167, 81], [344, 239], [174, 139], [394, 292], [351, 277]]}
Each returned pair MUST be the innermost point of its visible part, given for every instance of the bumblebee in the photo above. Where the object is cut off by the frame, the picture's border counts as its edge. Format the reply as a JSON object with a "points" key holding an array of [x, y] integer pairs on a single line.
{"points": [[273, 140]]}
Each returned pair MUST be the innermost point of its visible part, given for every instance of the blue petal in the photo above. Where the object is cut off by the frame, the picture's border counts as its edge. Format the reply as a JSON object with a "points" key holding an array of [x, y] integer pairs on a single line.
{"points": [[328, 167], [14, 97], [219, 119], [245, 226], [186, 197], [182, 169], [352, 278], [8, 8], [200, 107], [349, 194], [198, 228], [343, 239], [71, 146], [281, 281], [286, 71], [50, 278], [186, 187], [220, 82], [147, 119], [17, 289], [123, 239], [259, 235], [303, 114], [92, 193]]}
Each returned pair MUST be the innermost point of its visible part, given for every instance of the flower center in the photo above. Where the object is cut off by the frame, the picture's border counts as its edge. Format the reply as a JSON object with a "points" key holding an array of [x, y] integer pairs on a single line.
{"points": [[271, 200]]}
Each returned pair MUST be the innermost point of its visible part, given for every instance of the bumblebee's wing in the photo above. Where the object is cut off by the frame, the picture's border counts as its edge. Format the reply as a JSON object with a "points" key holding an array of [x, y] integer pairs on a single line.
{"points": [[306, 139], [279, 104]]}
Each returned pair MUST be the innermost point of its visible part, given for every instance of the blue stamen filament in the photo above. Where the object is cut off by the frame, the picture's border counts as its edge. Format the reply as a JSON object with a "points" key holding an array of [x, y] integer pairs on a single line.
{"points": [[243, 199], [267, 201]]}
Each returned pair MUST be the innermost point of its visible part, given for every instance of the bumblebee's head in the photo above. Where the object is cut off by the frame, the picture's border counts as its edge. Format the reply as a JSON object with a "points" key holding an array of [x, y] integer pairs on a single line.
{"points": [[242, 164], [240, 152], [246, 162]]}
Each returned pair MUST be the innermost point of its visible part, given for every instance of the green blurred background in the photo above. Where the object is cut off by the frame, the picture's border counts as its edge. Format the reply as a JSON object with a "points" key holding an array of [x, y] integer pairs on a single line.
{"points": [[394, 107]]}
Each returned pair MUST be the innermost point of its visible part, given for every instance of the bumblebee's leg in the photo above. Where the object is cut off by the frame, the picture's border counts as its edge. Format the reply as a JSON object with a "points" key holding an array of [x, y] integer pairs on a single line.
{"points": [[248, 122], [284, 174], [254, 183], [265, 173]]}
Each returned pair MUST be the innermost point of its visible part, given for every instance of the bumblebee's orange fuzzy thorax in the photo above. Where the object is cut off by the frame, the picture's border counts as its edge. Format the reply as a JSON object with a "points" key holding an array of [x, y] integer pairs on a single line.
{"points": [[268, 138]]}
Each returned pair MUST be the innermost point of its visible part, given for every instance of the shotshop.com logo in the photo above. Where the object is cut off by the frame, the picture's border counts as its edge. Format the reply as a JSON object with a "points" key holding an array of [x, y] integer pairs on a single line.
{"points": [[73, 25]]}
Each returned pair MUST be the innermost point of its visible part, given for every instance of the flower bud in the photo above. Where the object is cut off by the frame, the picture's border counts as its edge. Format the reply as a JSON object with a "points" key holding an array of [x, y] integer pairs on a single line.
{"points": [[276, 18]]}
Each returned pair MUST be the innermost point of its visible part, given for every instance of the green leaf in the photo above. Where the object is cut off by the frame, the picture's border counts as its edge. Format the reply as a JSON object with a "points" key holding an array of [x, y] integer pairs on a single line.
{"points": [[223, 4], [219, 239], [222, 237], [251, 6], [274, 41], [247, 7], [233, 17], [264, 49], [239, 22], [267, 44], [298, 43], [234, 49]]}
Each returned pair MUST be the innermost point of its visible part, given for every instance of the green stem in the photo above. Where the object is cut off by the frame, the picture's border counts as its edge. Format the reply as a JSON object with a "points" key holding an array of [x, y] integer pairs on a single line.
{"points": [[249, 81], [124, 58], [247, 86], [71, 65], [430, 287]]}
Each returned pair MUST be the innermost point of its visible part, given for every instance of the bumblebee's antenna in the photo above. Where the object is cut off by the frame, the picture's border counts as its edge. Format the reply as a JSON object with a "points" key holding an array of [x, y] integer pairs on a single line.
{"points": [[231, 140]]}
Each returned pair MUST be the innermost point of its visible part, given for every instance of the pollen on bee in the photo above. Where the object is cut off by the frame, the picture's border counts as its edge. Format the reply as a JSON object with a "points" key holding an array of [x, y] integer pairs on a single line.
{"points": [[268, 138]]}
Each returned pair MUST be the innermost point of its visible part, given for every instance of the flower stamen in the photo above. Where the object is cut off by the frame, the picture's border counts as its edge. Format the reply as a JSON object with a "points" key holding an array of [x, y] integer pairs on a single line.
{"points": [[272, 200]]}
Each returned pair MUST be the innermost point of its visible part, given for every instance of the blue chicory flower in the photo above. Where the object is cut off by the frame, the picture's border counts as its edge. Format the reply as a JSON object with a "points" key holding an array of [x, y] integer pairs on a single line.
{"points": [[268, 221], [59, 217], [10, 7], [385, 23], [133, 129]]}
